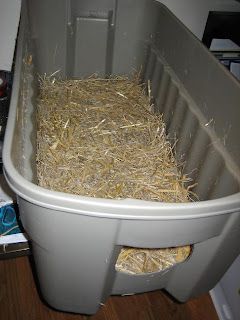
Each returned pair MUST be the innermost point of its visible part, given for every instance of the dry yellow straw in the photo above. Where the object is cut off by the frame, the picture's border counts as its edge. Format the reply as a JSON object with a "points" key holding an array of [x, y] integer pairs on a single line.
{"points": [[99, 138], [137, 261]]}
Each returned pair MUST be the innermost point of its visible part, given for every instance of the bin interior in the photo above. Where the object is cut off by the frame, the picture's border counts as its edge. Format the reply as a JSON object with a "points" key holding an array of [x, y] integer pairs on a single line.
{"points": [[197, 96]]}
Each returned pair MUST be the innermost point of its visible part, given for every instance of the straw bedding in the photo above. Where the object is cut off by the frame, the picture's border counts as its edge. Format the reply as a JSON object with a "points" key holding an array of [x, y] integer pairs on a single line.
{"points": [[137, 261], [99, 138]]}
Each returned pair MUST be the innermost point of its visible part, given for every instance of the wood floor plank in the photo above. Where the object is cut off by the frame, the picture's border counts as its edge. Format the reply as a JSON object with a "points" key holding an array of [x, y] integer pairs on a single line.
{"points": [[19, 300]]}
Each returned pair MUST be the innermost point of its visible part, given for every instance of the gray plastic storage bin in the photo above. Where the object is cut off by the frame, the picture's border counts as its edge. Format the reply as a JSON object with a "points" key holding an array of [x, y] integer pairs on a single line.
{"points": [[76, 240]]}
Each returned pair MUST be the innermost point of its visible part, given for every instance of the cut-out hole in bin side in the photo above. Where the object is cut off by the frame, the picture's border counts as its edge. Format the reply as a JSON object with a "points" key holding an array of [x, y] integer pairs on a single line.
{"points": [[140, 261]]}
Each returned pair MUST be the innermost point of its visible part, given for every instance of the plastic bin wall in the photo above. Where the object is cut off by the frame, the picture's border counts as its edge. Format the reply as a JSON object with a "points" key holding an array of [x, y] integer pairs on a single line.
{"points": [[76, 240]]}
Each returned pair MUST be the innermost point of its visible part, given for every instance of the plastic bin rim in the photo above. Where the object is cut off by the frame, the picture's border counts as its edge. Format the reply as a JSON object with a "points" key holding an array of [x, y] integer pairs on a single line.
{"points": [[119, 208]]}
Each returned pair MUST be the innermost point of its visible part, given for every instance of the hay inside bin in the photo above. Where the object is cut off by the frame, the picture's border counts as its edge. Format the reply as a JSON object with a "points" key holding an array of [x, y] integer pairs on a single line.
{"points": [[100, 138]]}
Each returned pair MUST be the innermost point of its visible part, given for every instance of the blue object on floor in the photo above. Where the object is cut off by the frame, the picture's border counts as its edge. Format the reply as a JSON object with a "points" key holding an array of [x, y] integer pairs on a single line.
{"points": [[8, 220]]}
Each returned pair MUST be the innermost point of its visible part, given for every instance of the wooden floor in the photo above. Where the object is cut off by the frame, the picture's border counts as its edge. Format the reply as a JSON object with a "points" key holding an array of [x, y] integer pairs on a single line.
{"points": [[19, 300]]}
